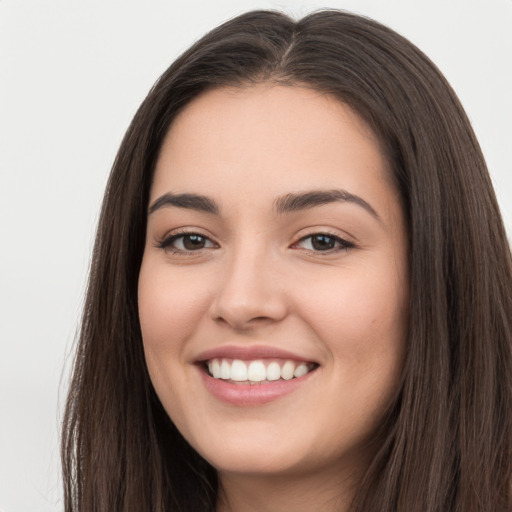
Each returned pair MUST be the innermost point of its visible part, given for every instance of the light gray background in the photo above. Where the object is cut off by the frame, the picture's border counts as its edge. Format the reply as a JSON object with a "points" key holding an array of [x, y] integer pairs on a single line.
{"points": [[71, 77]]}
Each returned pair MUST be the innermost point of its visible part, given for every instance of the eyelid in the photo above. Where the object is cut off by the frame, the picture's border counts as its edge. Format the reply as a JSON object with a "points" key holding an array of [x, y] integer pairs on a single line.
{"points": [[166, 241], [343, 243]]}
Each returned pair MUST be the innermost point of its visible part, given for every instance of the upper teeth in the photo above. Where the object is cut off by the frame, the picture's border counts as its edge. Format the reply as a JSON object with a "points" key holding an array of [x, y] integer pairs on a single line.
{"points": [[256, 371]]}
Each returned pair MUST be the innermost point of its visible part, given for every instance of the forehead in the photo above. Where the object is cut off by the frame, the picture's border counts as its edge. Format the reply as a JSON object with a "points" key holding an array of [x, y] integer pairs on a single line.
{"points": [[268, 140]]}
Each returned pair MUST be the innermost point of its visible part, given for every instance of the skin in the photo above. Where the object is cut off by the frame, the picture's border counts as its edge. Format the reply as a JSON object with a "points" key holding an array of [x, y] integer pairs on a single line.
{"points": [[258, 280]]}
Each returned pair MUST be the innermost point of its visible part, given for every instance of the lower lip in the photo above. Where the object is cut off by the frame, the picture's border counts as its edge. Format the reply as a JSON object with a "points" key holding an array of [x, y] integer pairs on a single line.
{"points": [[251, 394]]}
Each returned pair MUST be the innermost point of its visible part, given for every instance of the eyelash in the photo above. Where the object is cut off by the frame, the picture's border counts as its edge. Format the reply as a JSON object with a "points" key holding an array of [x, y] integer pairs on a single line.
{"points": [[166, 243], [342, 244]]}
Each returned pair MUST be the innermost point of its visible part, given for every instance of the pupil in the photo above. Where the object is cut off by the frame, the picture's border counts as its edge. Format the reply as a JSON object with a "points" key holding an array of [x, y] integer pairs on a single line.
{"points": [[191, 242], [322, 242]]}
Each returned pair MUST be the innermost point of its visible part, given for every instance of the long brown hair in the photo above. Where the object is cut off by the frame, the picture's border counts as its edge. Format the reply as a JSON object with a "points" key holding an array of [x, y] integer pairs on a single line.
{"points": [[446, 442]]}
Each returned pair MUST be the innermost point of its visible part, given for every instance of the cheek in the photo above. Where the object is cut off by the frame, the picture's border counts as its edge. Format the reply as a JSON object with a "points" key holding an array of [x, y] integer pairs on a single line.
{"points": [[358, 302], [169, 308], [362, 320], [169, 311]]}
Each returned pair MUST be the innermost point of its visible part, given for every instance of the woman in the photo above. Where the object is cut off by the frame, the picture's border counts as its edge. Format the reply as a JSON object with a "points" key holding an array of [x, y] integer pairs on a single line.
{"points": [[300, 293]]}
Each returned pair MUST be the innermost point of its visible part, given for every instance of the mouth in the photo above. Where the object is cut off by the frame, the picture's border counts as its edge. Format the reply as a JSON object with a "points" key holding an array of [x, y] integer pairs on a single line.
{"points": [[258, 371], [253, 375]]}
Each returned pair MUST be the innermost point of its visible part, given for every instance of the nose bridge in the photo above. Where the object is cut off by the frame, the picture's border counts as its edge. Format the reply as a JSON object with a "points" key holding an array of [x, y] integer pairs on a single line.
{"points": [[248, 285]]}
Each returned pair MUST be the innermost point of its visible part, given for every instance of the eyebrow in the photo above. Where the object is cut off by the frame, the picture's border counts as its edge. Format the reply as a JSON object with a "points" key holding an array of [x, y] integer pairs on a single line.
{"points": [[286, 204], [188, 201], [311, 199]]}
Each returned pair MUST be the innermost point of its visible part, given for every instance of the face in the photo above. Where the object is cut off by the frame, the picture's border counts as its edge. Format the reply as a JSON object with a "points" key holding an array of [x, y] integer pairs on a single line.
{"points": [[273, 288]]}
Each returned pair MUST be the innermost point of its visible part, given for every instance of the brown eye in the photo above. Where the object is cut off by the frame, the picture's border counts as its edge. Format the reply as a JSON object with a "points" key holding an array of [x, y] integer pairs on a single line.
{"points": [[186, 242], [323, 242], [193, 242]]}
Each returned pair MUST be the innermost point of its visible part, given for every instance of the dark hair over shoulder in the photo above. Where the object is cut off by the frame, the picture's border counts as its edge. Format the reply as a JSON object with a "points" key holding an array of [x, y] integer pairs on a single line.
{"points": [[446, 444]]}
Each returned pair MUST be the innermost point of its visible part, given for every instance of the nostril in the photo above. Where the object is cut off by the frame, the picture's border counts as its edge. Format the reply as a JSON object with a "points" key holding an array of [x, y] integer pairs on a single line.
{"points": [[247, 298], [243, 318]]}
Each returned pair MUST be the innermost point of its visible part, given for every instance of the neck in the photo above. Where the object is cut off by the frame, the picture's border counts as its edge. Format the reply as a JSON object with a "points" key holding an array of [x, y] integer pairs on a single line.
{"points": [[276, 493]]}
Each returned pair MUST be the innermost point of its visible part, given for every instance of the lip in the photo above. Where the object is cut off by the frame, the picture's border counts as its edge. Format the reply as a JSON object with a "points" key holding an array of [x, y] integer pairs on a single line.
{"points": [[243, 395], [247, 353]]}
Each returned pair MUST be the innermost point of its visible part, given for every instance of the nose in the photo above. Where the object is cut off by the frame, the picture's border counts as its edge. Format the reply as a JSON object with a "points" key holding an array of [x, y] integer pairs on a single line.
{"points": [[250, 291]]}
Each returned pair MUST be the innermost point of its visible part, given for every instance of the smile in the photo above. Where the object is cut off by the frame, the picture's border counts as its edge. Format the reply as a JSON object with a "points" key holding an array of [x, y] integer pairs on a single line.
{"points": [[257, 371], [253, 375]]}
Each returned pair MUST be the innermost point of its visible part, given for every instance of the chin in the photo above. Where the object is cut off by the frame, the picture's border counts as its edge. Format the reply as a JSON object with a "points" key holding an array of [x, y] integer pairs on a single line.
{"points": [[261, 451], [255, 461]]}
